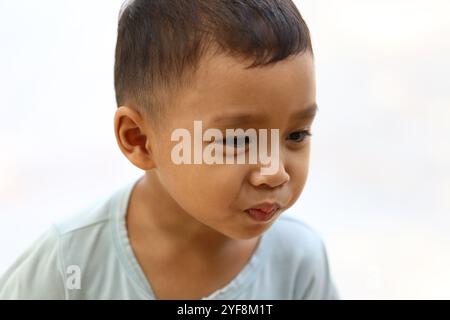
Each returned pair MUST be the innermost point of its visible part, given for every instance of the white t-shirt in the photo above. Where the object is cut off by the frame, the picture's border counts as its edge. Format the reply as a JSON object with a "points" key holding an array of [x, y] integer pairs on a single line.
{"points": [[89, 256]]}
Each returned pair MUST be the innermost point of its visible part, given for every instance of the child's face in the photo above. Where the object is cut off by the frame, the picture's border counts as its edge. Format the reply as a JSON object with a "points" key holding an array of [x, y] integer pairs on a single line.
{"points": [[217, 195]]}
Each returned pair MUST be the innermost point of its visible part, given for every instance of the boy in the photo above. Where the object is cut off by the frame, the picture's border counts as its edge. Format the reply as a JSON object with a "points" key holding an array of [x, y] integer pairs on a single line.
{"points": [[197, 230]]}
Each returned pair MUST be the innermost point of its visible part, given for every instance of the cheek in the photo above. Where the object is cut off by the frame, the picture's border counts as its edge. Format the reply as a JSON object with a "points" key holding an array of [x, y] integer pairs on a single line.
{"points": [[200, 189], [299, 174]]}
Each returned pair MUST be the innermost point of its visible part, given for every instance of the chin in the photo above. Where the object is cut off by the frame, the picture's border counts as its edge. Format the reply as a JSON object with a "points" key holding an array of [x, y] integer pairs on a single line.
{"points": [[249, 232]]}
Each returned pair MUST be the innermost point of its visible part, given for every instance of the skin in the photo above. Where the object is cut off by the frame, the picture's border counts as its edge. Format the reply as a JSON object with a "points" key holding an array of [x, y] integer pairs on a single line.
{"points": [[195, 213]]}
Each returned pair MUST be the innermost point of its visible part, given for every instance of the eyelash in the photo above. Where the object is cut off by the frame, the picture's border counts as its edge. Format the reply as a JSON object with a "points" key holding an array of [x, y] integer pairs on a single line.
{"points": [[306, 133]]}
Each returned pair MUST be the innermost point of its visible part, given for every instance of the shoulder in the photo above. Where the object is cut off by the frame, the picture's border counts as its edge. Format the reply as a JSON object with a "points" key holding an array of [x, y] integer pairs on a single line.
{"points": [[298, 249], [37, 273], [295, 237], [82, 239], [90, 228], [92, 216]]}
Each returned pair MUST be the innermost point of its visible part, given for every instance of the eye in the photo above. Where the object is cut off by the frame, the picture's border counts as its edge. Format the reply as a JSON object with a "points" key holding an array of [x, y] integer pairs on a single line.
{"points": [[236, 142], [299, 136]]}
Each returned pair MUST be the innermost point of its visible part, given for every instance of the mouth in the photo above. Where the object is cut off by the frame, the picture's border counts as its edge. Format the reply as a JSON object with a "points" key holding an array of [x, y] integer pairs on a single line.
{"points": [[263, 212]]}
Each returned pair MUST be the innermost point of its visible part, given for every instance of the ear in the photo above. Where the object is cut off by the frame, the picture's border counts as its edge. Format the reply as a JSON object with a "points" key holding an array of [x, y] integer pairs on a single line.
{"points": [[133, 137]]}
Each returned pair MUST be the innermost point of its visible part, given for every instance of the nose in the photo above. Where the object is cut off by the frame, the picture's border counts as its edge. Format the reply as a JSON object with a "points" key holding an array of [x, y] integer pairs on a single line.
{"points": [[278, 178]]}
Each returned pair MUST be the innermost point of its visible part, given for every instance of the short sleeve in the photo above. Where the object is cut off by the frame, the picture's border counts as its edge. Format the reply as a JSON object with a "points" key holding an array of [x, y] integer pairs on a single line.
{"points": [[37, 273]]}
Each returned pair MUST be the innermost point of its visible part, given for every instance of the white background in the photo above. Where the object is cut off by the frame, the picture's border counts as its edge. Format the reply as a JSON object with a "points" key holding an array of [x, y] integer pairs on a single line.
{"points": [[378, 190]]}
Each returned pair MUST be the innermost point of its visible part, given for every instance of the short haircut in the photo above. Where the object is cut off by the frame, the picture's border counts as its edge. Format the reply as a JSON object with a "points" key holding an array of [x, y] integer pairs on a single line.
{"points": [[160, 43]]}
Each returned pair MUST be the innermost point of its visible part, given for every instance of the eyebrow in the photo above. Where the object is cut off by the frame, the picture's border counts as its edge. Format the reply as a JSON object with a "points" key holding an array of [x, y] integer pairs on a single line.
{"points": [[308, 113], [241, 118]]}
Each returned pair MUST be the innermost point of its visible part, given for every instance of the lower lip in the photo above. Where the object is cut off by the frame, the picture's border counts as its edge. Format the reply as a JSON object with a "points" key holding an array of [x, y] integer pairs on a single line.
{"points": [[260, 215]]}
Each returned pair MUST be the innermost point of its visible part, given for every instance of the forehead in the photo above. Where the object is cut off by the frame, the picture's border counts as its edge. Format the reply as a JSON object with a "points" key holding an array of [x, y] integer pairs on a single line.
{"points": [[223, 87]]}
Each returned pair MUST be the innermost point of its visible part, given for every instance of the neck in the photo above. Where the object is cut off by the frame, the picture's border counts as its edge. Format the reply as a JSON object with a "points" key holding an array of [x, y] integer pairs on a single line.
{"points": [[154, 215]]}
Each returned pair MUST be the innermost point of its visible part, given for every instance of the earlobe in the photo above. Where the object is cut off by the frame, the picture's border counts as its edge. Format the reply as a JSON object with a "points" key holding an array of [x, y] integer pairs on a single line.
{"points": [[132, 138]]}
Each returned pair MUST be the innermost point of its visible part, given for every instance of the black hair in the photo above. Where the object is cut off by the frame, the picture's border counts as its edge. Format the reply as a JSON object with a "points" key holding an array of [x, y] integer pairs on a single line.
{"points": [[160, 42]]}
